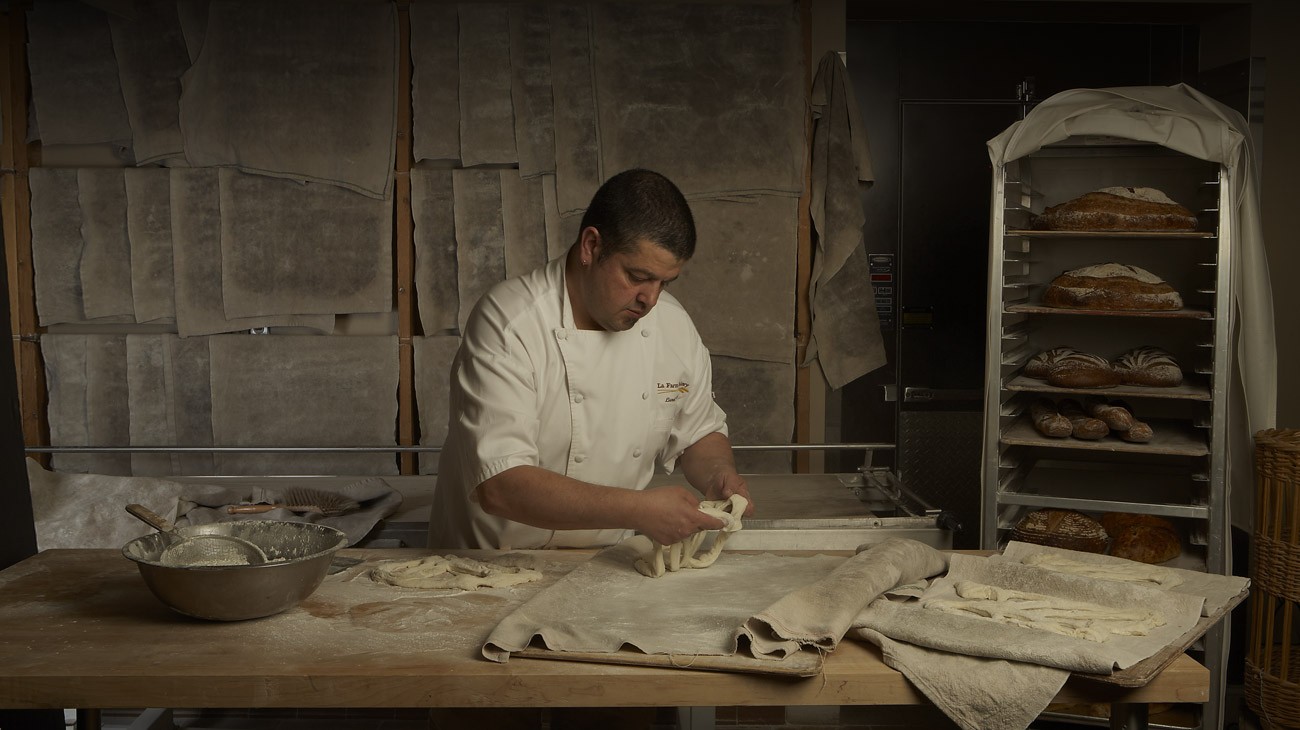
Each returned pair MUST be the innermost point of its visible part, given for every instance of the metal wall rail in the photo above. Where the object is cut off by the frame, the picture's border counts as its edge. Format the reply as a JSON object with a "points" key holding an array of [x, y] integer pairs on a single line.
{"points": [[382, 449]]}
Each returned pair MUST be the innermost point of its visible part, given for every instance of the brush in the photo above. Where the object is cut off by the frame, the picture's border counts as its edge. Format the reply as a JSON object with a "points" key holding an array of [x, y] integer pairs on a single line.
{"points": [[302, 499]]}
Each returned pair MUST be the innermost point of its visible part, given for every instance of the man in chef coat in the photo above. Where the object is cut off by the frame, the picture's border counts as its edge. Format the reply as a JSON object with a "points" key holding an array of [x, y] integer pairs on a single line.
{"points": [[575, 382]]}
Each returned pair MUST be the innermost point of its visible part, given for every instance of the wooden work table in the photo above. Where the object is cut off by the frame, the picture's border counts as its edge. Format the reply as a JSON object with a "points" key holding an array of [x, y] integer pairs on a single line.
{"points": [[79, 628]]}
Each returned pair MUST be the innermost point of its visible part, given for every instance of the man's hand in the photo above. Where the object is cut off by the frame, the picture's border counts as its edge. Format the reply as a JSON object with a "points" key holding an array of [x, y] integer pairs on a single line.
{"points": [[671, 514], [726, 484]]}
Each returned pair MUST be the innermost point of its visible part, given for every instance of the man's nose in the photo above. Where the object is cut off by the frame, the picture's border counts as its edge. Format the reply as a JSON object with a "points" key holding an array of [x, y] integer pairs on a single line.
{"points": [[649, 294]]}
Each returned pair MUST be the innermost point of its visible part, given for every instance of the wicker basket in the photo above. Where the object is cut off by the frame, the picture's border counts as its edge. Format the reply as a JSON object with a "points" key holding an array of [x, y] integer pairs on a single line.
{"points": [[1272, 678]]}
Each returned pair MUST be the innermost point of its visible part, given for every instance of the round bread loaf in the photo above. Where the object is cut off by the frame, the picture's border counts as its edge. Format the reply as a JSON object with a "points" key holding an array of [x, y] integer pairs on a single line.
{"points": [[1082, 370], [1149, 366], [1042, 364], [1062, 528], [1150, 540], [1117, 209], [1112, 287]]}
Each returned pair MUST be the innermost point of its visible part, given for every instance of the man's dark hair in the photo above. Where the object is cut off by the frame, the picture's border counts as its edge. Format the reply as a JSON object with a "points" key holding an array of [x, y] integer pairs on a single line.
{"points": [[641, 204]]}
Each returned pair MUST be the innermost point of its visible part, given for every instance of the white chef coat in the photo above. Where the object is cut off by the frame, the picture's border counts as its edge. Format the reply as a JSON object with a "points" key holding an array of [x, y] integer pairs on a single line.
{"points": [[529, 388]]}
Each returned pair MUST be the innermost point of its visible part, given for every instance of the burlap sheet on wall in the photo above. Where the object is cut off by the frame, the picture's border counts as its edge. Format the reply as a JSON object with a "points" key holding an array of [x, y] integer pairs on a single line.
{"points": [[302, 248], [278, 84], [433, 356], [435, 250], [88, 402], [487, 122], [530, 88], [76, 93], [106, 244], [149, 227], [480, 236], [577, 146], [56, 244], [196, 240], [151, 58], [740, 285], [149, 405], [758, 398], [304, 390], [435, 81], [523, 221]]}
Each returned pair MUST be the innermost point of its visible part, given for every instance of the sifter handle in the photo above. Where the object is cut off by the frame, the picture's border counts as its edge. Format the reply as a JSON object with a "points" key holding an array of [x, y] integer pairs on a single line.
{"points": [[249, 509], [151, 518]]}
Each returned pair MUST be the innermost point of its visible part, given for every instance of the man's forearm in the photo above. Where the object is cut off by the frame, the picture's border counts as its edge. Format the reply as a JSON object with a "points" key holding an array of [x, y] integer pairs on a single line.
{"points": [[707, 462], [551, 501]]}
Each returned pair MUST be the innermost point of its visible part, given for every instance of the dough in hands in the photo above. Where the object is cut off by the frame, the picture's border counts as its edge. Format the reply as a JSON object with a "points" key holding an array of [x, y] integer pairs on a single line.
{"points": [[450, 571], [671, 558]]}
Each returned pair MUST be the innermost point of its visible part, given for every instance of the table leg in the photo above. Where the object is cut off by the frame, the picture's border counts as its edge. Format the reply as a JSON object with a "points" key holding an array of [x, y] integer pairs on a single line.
{"points": [[88, 720], [1128, 716], [697, 718]]}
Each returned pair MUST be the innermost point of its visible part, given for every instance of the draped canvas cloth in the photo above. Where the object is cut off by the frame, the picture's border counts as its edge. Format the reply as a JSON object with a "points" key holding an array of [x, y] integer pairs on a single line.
{"points": [[76, 93], [151, 58]]}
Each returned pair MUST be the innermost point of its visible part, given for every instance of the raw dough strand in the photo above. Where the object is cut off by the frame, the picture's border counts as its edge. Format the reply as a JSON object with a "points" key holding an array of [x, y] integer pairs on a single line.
{"points": [[670, 558]]}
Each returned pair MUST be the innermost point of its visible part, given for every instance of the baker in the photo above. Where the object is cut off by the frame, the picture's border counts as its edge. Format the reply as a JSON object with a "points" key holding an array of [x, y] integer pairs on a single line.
{"points": [[573, 383]]}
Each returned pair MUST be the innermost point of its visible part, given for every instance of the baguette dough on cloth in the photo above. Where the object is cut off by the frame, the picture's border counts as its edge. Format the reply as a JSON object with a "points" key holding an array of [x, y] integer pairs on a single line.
{"points": [[1064, 616], [450, 571], [684, 554]]}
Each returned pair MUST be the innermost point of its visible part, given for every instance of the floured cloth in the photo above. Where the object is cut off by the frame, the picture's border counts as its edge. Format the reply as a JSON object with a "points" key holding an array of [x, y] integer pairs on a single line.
{"points": [[1217, 590], [819, 614], [845, 325], [964, 634], [278, 84], [151, 58], [302, 248], [89, 510], [76, 93], [605, 604], [960, 685], [435, 81], [376, 497]]}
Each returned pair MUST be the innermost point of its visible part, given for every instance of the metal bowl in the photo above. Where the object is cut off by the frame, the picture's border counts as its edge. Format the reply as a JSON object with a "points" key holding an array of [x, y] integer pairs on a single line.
{"points": [[298, 553]]}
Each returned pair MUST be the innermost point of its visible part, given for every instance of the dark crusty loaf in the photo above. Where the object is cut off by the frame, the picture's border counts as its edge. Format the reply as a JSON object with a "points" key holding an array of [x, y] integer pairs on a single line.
{"points": [[1117, 209], [1144, 538], [1062, 528], [1149, 366], [1082, 370], [1042, 364], [1084, 426], [1048, 421], [1111, 286], [1116, 417]]}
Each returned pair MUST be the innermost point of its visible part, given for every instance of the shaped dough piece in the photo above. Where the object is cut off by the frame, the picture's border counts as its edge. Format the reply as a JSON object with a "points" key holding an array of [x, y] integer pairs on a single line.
{"points": [[450, 571], [1129, 572], [1058, 615], [671, 558]]}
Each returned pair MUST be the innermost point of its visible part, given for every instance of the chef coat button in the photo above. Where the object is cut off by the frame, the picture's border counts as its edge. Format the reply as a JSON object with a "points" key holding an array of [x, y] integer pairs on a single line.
{"points": [[636, 453], [645, 395], [579, 458], [645, 333], [577, 398]]}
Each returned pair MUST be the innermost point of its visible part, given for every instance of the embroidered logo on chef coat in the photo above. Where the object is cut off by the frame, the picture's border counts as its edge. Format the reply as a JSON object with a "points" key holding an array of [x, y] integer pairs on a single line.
{"points": [[673, 391]]}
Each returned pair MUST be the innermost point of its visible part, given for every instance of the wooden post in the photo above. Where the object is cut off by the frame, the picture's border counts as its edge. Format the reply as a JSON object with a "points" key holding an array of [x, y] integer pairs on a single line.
{"points": [[803, 268], [404, 245], [15, 197]]}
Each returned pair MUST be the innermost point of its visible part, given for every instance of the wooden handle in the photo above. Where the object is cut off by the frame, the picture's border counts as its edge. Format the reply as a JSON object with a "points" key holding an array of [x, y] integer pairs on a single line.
{"points": [[149, 517], [249, 509]]}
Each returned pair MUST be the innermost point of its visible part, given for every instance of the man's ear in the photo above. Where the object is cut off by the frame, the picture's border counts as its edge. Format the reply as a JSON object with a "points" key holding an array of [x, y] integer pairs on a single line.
{"points": [[589, 244]]}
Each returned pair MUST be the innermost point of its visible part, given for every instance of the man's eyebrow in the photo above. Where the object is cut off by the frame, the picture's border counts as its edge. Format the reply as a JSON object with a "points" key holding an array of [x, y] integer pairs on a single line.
{"points": [[647, 274]]}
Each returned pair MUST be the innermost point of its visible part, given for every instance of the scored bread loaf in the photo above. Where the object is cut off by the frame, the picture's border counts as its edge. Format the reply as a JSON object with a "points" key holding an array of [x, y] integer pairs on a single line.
{"points": [[1084, 426], [1116, 417], [1041, 365], [1048, 421], [1117, 209], [1062, 528], [1150, 366], [1144, 538], [1111, 287], [1082, 370]]}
